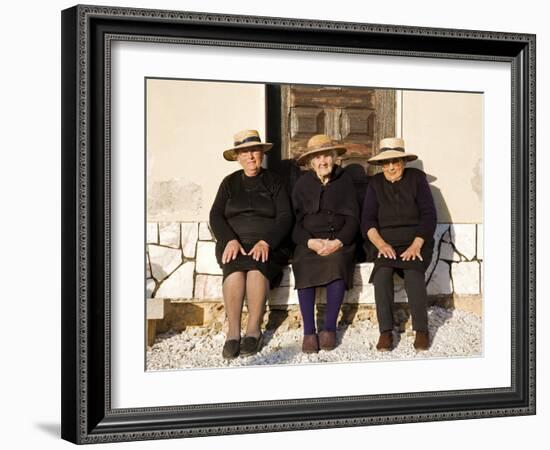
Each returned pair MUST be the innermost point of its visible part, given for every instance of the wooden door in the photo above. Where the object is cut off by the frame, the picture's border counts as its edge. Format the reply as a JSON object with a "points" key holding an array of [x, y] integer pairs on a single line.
{"points": [[358, 117]]}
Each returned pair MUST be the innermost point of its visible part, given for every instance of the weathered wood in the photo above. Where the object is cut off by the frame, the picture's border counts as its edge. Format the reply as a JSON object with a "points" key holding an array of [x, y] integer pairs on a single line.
{"points": [[358, 117], [151, 329]]}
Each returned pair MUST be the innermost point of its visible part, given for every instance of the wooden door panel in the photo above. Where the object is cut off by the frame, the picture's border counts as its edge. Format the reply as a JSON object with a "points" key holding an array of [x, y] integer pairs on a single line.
{"points": [[358, 117]]}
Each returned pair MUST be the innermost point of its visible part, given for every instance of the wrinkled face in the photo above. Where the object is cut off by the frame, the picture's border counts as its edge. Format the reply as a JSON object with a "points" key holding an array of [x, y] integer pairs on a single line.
{"points": [[322, 163], [250, 159], [393, 168]]}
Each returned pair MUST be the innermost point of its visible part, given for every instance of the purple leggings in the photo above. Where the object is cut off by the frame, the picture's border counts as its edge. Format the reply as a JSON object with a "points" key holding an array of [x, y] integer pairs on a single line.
{"points": [[335, 296]]}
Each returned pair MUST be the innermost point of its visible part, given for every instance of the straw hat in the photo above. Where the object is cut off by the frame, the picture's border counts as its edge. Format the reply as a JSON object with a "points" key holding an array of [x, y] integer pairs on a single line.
{"points": [[391, 148], [245, 139], [318, 144]]}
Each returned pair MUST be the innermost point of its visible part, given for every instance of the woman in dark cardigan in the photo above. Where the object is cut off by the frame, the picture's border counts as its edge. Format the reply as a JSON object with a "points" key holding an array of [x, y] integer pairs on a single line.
{"points": [[327, 221], [399, 219], [250, 218]]}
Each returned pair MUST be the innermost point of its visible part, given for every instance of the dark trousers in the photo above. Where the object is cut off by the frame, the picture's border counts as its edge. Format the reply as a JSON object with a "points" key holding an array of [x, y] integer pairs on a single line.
{"points": [[415, 287]]}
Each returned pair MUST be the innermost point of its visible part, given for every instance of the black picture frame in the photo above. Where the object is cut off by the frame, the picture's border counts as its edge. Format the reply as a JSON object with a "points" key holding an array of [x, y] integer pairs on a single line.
{"points": [[87, 33]]}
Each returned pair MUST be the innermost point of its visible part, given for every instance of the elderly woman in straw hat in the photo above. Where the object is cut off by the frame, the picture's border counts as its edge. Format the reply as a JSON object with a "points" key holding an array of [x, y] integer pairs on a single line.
{"points": [[250, 218], [399, 219], [327, 221]]}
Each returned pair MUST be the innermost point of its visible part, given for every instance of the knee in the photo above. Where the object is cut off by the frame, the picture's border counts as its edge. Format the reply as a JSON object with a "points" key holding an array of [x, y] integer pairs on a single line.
{"points": [[383, 276], [235, 277]]}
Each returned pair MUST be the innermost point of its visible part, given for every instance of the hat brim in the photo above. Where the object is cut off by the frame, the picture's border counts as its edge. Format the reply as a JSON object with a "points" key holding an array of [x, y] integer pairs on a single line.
{"points": [[379, 159], [231, 154], [304, 158]]}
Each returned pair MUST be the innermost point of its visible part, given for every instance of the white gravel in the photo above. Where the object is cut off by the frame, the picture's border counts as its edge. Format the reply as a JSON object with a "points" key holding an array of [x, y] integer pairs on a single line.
{"points": [[454, 333]]}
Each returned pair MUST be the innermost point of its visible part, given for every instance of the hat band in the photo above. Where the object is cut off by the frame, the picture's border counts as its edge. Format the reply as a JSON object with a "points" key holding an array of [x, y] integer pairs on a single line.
{"points": [[248, 139], [397, 149]]}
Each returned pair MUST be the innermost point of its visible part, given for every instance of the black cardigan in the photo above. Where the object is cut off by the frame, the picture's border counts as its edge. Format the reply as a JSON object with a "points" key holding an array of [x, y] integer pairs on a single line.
{"points": [[401, 210], [251, 208], [326, 211]]}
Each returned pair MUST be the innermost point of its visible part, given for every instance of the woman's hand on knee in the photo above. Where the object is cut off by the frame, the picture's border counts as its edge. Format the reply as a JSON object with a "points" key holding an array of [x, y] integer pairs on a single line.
{"points": [[232, 250], [387, 251], [260, 251], [413, 251]]}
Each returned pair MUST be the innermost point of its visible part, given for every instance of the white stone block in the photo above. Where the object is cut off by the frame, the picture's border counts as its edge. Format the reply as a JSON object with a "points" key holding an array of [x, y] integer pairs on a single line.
{"points": [[283, 296], [164, 261], [360, 294], [206, 259], [179, 284], [479, 254], [442, 238], [169, 234], [399, 293], [149, 287], [288, 277], [440, 282], [152, 233], [448, 253], [204, 232], [440, 230], [147, 266], [362, 274], [189, 238], [155, 309], [466, 277], [463, 236], [208, 287], [443, 232]]}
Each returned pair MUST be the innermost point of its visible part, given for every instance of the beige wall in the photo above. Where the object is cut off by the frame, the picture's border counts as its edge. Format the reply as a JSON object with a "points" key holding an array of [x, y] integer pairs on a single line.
{"points": [[189, 124], [445, 130]]}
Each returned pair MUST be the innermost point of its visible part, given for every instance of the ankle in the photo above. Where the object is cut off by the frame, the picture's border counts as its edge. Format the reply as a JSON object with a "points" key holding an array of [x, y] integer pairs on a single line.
{"points": [[233, 335]]}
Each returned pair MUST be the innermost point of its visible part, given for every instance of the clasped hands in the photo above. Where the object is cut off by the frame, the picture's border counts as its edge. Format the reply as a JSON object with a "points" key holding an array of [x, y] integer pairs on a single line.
{"points": [[412, 252], [260, 251], [324, 247]]}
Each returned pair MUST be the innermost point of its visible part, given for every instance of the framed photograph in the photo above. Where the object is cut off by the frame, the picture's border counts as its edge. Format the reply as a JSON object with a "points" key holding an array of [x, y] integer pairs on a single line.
{"points": [[158, 108]]}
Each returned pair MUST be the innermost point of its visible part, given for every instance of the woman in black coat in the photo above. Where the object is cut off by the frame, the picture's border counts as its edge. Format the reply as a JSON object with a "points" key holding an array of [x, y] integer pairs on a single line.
{"points": [[399, 219], [250, 219], [327, 221]]}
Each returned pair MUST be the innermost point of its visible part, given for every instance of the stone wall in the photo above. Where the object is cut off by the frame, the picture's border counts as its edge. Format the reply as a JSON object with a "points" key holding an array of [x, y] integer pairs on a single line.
{"points": [[181, 266]]}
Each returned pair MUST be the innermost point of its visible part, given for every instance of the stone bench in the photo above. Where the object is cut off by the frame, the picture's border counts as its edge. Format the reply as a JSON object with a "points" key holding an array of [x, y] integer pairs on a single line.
{"points": [[181, 267]]}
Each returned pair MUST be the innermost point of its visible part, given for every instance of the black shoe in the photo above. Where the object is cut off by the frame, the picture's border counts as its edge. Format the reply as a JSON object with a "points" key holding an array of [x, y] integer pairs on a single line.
{"points": [[251, 345], [231, 349]]}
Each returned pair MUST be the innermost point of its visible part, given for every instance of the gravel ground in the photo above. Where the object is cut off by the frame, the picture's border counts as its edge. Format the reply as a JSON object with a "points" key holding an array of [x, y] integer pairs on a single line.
{"points": [[454, 333]]}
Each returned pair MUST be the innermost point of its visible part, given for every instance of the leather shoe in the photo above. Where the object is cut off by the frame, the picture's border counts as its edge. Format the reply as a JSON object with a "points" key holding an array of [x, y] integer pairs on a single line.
{"points": [[385, 341], [422, 340], [310, 343], [251, 345], [327, 340], [231, 348]]}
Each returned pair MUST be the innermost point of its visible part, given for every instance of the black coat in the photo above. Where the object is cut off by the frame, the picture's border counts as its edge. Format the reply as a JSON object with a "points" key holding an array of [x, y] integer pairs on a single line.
{"points": [[250, 209], [400, 211], [328, 211]]}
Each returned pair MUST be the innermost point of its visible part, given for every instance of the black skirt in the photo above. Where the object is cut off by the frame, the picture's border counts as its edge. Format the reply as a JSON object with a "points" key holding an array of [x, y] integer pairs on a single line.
{"points": [[311, 270], [272, 269], [399, 264]]}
